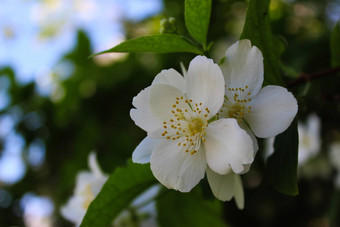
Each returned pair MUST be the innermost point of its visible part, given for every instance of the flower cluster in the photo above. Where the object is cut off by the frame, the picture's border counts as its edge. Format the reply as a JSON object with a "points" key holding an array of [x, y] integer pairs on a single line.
{"points": [[205, 122], [89, 184]]}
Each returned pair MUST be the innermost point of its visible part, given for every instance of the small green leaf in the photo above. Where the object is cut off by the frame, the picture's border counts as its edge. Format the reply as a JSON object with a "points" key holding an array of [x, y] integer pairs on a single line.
{"points": [[123, 185], [165, 43], [257, 30], [197, 17], [282, 165], [188, 209], [335, 46]]}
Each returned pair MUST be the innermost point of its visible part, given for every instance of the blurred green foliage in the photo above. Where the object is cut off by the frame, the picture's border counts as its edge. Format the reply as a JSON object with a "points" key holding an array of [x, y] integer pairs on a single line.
{"points": [[89, 110]]}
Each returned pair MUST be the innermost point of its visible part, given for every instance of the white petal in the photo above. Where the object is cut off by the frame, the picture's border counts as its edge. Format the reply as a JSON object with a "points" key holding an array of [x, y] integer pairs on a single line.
{"points": [[243, 66], [73, 211], [184, 70], [272, 111], [170, 77], [222, 186], [143, 151], [93, 164], [205, 84], [83, 179], [252, 136], [162, 99], [309, 136], [269, 147], [225, 187], [142, 115], [175, 168], [239, 194], [227, 144]]}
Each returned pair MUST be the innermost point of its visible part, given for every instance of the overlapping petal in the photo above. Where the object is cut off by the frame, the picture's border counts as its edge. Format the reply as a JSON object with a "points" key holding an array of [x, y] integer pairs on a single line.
{"points": [[205, 84], [175, 168], [225, 187], [162, 99], [272, 111], [170, 77], [243, 66], [142, 115], [227, 145], [239, 194], [222, 186], [142, 153]]}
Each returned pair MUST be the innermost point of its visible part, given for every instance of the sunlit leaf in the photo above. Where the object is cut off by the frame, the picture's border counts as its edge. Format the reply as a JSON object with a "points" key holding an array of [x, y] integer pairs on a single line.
{"points": [[197, 17], [257, 29], [121, 188], [188, 209], [165, 43], [282, 165], [335, 46]]}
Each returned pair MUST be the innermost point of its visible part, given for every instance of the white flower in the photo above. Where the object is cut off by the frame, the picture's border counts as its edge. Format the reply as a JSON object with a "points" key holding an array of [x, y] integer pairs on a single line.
{"points": [[88, 185], [143, 208], [177, 113], [268, 111], [309, 139]]}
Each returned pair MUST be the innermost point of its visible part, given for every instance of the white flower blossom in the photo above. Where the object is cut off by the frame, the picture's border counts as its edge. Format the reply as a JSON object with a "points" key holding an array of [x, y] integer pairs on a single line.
{"points": [[264, 112], [88, 185], [267, 111], [309, 139], [183, 139]]}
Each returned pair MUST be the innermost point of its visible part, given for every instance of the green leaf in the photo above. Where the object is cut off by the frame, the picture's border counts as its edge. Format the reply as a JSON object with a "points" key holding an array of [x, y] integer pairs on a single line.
{"points": [[188, 209], [197, 17], [257, 30], [165, 43], [282, 165], [335, 46], [123, 185]]}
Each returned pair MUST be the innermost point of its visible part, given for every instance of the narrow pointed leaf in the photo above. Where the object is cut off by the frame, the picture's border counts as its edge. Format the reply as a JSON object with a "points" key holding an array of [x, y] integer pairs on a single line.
{"points": [[335, 46], [165, 43], [188, 209], [197, 17], [257, 29], [123, 185], [282, 164]]}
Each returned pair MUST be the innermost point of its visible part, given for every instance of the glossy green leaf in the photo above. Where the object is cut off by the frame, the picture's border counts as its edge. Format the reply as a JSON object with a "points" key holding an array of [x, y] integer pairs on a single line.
{"points": [[282, 164], [188, 209], [121, 188], [197, 17], [165, 43], [335, 46], [257, 29]]}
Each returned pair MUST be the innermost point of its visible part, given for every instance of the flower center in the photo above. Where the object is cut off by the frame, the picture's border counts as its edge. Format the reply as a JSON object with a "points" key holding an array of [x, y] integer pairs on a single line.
{"points": [[236, 104], [88, 195], [187, 124], [196, 125]]}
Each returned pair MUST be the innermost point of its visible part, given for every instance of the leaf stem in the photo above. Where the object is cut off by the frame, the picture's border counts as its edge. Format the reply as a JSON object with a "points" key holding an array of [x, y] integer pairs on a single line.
{"points": [[304, 77]]}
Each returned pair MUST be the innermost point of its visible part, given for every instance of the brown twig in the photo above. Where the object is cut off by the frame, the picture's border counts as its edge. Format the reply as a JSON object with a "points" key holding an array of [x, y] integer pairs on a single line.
{"points": [[309, 77]]}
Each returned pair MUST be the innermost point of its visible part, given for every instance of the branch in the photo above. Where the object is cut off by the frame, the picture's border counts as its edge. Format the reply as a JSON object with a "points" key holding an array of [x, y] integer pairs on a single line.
{"points": [[304, 77]]}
